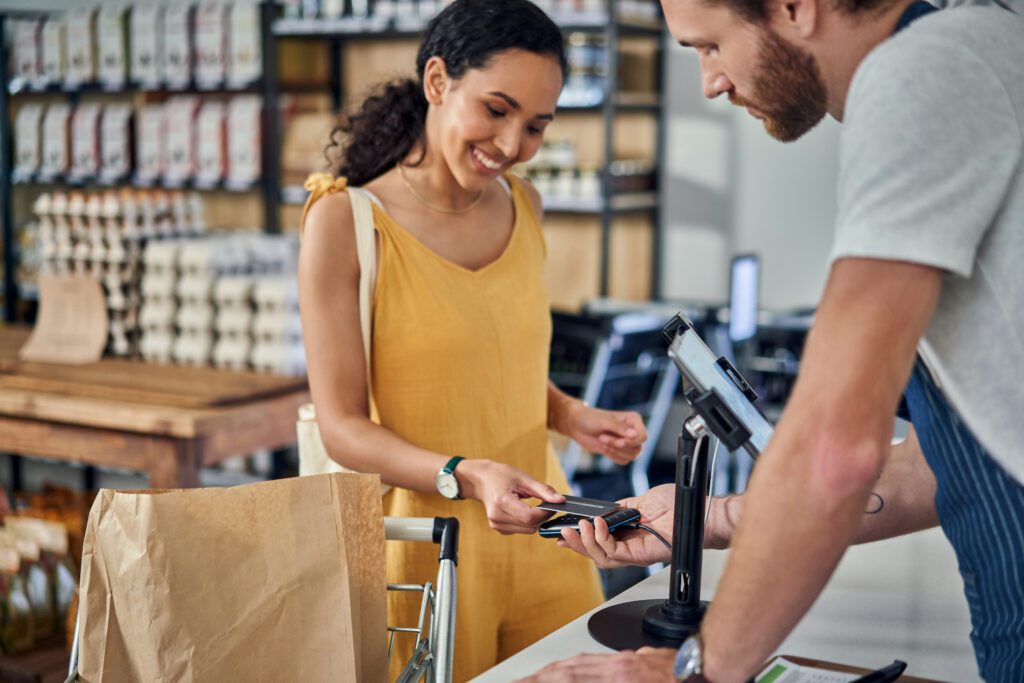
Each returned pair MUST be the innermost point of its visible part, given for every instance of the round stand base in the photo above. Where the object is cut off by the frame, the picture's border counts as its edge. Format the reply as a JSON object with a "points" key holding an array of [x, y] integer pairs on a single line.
{"points": [[621, 626], [662, 621]]}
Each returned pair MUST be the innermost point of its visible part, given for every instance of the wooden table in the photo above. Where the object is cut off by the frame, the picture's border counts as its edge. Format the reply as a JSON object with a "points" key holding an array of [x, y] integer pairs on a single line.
{"points": [[167, 421]]}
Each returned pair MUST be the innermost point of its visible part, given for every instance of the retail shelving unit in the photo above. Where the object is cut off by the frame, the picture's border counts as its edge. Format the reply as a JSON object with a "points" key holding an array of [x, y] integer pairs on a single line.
{"points": [[613, 103], [267, 185], [10, 291], [605, 208]]}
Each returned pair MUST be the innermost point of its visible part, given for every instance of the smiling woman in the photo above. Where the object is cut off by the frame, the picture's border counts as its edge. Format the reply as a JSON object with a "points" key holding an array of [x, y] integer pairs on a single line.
{"points": [[461, 324]]}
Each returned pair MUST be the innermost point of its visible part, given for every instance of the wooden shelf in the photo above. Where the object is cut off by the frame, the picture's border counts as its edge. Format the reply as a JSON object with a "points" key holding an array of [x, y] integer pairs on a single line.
{"points": [[19, 87], [159, 183]]}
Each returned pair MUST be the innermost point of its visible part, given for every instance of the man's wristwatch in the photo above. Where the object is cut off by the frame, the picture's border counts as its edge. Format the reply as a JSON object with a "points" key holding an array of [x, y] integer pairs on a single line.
{"points": [[689, 665], [445, 481]]}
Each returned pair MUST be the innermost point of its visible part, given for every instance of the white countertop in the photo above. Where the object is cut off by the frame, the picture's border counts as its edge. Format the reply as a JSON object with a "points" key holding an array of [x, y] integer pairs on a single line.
{"points": [[896, 599]]}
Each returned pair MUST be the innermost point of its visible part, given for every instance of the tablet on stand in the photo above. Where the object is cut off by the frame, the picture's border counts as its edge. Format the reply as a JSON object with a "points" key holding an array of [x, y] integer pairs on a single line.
{"points": [[722, 404]]}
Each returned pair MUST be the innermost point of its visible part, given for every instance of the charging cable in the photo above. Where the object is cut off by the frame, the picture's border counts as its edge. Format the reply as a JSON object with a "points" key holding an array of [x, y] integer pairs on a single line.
{"points": [[711, 483], [707, 510], [656, 535]]}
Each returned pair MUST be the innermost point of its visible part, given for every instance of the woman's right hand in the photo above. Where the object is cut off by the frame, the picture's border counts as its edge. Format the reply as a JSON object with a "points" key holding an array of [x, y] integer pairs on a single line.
{"points": [[502, 488]]}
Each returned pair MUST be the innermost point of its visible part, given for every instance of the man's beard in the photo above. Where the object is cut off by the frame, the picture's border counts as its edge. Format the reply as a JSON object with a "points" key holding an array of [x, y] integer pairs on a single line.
{"points": [[788, 90]]}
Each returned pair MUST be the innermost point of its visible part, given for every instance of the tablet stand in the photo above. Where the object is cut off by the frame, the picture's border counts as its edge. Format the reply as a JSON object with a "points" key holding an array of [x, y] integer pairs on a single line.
{"points": [[666, 623]]}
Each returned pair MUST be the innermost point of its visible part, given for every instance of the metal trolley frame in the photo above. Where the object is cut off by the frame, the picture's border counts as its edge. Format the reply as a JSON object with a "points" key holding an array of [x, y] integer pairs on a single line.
{"points": [[434, 651]]}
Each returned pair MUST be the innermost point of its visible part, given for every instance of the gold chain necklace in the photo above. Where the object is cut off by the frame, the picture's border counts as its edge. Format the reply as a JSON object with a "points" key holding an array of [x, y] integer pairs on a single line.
{"points": [[417, 195]]}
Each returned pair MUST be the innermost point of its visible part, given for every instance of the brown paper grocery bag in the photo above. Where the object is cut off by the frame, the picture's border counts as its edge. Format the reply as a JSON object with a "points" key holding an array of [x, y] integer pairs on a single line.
{"points": [[279, 581]]}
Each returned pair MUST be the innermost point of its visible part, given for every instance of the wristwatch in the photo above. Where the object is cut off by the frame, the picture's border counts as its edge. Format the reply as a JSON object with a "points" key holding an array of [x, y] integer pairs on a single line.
{"points": [[689, 667], [445, 481]]}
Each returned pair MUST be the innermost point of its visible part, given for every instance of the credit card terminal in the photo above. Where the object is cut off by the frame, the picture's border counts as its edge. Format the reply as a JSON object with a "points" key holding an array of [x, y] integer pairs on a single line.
{"points": [[616, 519]]}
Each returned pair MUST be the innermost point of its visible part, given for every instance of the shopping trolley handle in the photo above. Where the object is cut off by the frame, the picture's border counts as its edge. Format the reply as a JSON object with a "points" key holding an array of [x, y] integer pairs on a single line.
{"points": [[446, 535], [444, 531]]}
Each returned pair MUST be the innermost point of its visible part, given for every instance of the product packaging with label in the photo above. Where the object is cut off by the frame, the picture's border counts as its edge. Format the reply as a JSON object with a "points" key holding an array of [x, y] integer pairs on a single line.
{"points": [[81, 47], [53, 51], [111, 27], [27, 140], [85, 141], [115, 142], [245, 54], [28, 50], [149, 145], [55, 160], [177, 47], [147, 36], [181, 125], [243, 135], [211, 43], [210, 144]]}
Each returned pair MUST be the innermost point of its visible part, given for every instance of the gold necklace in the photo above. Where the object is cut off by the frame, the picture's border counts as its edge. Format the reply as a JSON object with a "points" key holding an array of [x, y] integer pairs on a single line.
{"points": [[417, 195]]}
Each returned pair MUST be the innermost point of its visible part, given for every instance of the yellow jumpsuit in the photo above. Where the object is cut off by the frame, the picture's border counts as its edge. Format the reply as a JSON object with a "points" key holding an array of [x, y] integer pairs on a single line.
{"points": [[460, 367]]}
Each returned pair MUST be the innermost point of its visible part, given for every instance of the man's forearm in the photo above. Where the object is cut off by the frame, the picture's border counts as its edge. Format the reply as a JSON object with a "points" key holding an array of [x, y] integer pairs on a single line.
{"points": [[810, 488], [905, 494], [902, 501], [780, 563]]}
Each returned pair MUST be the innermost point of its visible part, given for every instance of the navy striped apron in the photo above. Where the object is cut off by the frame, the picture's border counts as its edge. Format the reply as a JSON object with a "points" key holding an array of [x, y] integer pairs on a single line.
{"points": [[981, 510]]}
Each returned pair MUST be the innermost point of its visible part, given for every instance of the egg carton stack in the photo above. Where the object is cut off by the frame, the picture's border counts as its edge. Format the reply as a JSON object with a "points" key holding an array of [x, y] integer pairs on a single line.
{"points": [[277, 328], [166, 224], [270, 257], [53, 230], [101, 235], [235, 313], [202, 263], [159, 302]]}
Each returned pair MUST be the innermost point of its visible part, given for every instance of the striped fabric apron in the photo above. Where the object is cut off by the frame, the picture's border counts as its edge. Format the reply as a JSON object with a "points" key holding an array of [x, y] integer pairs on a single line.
{"points": [[981, 510]]}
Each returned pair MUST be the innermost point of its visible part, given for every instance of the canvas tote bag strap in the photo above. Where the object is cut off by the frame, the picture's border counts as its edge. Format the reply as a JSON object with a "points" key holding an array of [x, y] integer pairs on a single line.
{"points": [[366, 248]]}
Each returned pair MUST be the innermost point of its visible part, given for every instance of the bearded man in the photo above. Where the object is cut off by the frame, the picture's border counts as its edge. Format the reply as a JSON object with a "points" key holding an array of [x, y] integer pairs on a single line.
{"points": [[925, 294]]}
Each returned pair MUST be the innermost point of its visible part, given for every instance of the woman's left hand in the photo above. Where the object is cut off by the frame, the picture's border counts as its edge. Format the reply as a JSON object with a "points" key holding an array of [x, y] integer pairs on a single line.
{"points": [[616, 434]]}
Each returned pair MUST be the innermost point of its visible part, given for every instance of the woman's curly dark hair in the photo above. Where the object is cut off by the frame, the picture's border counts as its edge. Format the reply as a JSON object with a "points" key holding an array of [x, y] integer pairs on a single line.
{"points": [[388, 125]]}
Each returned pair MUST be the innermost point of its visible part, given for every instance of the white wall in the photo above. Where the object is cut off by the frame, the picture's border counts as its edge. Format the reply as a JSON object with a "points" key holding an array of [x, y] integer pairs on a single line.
{"points": [[785, 206], [697, 187], [729, 188]]}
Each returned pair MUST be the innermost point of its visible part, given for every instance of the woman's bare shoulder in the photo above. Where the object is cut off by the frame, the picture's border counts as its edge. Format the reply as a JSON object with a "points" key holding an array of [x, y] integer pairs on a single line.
{"points": [[330, 217], [328, 239]]}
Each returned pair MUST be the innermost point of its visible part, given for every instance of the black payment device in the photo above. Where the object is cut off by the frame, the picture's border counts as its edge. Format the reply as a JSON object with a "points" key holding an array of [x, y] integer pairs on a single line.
{"points": [[617, 518]]}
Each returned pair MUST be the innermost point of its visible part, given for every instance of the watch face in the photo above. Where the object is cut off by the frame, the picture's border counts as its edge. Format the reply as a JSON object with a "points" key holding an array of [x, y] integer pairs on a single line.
{"points": [[688, 661], [447, 485]]}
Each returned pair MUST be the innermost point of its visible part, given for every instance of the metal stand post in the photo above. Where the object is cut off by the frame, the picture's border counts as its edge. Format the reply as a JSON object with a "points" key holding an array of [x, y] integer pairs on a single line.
{"points": [[666, 623]]}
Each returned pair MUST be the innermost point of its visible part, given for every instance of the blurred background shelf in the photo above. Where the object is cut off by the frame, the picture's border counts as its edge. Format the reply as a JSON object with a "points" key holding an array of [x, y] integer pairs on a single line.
{"points": [[313, 67]]}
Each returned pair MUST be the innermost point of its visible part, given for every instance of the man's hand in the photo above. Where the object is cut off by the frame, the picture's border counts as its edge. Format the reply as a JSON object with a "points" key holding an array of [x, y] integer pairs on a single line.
{"points": [[646, 665], [628, 547]]}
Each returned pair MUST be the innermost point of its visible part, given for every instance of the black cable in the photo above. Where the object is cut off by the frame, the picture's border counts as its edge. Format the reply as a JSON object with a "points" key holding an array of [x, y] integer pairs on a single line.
{"points": [[656, 535]]}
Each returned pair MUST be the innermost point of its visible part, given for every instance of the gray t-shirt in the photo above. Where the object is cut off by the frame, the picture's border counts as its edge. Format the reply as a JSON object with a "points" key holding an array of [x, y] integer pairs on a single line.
{"points": [[931, 172]]}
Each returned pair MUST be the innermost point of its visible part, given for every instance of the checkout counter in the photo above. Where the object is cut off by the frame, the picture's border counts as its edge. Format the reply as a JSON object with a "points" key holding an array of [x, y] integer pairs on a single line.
{"points": [[896, 599]]}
